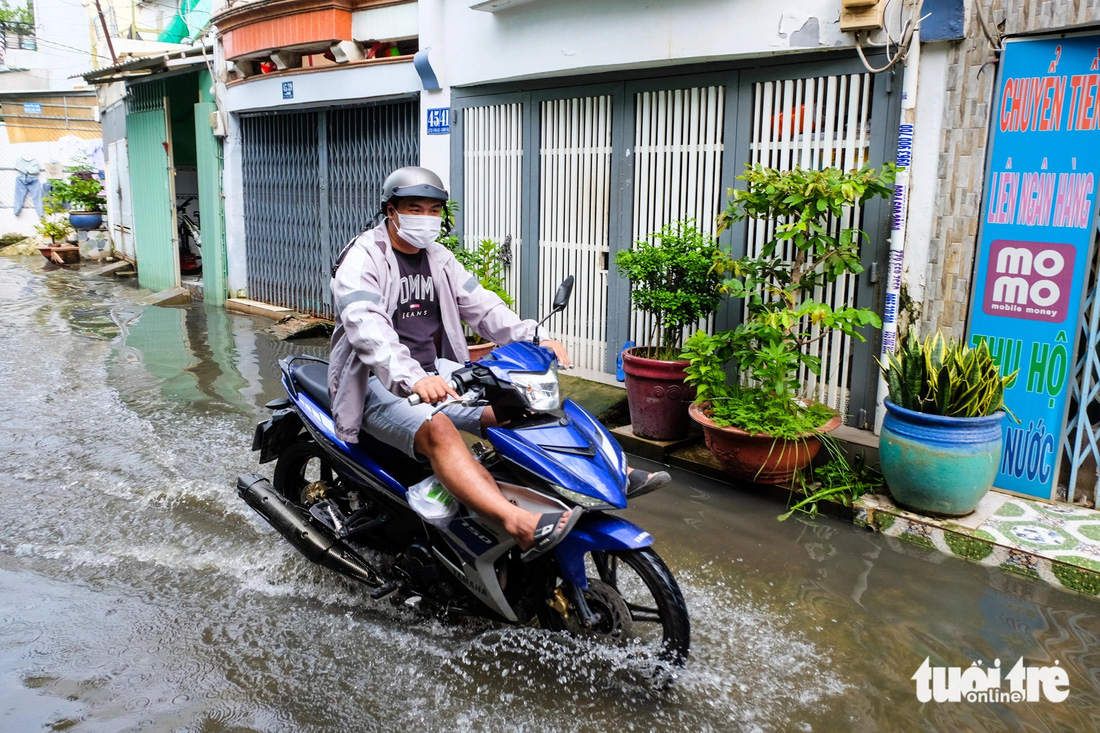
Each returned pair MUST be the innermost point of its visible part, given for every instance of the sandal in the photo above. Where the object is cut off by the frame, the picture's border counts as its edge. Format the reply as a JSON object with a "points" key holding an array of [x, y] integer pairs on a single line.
{"points": [[640, 483], [548, 534]]}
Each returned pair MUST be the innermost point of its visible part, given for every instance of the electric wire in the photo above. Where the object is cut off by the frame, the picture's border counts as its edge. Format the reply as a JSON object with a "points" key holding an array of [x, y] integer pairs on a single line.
{"points": [[908, 28]]}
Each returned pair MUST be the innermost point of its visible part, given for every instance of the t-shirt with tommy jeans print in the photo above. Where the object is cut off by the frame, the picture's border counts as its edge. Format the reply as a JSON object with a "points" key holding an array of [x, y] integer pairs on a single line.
{"points": [[416, 318]]}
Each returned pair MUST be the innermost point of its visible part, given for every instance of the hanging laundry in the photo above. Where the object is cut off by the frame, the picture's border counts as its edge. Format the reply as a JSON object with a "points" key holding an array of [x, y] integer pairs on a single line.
{"points": [[27, 184]]}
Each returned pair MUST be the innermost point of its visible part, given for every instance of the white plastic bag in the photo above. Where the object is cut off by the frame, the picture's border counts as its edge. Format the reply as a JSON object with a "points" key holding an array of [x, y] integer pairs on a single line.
{"points": [[432, 502]]}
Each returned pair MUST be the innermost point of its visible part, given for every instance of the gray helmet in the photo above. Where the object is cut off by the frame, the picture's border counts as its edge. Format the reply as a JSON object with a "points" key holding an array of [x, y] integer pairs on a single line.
{"points": [[413, 181]]}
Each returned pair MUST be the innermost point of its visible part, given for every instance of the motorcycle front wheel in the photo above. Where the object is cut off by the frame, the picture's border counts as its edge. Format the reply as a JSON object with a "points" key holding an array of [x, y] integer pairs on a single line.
{"points": [[638, 602]]}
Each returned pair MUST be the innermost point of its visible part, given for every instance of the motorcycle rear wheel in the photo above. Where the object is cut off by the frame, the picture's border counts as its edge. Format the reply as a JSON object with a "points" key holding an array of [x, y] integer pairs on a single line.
{"points": [[299, 466], [658, 617]]}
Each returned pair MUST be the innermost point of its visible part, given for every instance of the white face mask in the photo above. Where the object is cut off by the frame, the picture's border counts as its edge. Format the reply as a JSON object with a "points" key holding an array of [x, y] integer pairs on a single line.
{"points": [[419, 231]]}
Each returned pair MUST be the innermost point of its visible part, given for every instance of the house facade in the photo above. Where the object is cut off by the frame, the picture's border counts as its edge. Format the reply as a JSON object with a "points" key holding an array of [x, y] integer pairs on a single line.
{"points": [[569, 130]]}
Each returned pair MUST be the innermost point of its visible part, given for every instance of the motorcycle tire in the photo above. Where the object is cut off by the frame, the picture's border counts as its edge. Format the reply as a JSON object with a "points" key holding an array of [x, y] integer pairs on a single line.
{"points": [[651, 577], [300, 464]]}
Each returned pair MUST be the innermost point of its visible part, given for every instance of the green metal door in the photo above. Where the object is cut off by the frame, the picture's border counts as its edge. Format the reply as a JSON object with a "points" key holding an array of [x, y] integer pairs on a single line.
{"points": [[151, 187], [211, 210]]}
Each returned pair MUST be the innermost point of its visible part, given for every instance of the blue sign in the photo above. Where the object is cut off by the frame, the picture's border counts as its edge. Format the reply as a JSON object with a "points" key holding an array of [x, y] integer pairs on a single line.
{"points": [[32, 108], [1036, 242], [439, 121], [288, 90]]}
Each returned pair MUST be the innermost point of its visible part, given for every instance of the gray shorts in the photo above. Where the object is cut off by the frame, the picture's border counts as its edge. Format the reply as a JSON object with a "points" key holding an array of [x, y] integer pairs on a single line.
{"points": [[392, 420]]}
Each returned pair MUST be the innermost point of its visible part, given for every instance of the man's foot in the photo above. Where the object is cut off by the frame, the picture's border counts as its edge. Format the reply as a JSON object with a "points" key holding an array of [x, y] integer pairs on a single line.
{"points": [[550, 530], [522, 525], [640, 483]]}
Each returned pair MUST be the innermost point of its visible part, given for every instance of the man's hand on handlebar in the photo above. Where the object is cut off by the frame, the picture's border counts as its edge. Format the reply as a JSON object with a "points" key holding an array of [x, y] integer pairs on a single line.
{"points": [[433, 389], [559, 351]]}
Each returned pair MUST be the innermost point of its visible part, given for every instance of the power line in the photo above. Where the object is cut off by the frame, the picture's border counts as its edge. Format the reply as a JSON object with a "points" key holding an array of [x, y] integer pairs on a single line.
{"points": [[71, 48]]}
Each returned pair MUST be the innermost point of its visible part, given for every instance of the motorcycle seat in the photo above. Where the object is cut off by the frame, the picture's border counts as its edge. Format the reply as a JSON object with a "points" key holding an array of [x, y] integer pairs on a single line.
{"points": [[312, 378]]}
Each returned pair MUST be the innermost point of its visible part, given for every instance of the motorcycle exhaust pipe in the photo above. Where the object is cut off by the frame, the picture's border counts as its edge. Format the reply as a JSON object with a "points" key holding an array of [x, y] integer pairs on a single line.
{"points": [[322, 549]]}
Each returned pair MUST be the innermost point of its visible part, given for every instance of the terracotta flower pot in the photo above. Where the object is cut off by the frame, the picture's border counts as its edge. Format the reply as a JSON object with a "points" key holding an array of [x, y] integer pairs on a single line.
{"points": [[69, 254], [760, 458], [480, 351], [657, 396]]}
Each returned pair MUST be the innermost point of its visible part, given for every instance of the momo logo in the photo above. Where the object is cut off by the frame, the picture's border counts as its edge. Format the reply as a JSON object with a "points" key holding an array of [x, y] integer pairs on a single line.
{"points": [[1029, 280]]}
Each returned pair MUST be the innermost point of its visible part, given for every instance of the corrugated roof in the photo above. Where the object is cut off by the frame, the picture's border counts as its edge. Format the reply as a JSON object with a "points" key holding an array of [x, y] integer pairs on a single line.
{"points": [[149, 64]]}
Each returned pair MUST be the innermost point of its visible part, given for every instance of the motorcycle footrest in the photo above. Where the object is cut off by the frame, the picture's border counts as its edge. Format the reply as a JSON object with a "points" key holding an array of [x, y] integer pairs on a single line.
{"points": [[388, 589], [351, 530]]}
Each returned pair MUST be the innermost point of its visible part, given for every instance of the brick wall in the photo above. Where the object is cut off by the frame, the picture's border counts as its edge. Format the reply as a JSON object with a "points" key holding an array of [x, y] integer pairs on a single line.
{"points": [[969, 86]]}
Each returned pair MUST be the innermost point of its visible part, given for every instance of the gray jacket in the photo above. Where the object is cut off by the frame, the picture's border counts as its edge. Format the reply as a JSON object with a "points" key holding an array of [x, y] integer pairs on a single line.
{"points": [[365, 293]]}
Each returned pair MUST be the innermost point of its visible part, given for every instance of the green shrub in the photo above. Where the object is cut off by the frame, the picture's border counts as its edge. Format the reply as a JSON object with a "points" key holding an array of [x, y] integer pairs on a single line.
{"points": [[945, 378], [672, 278]]}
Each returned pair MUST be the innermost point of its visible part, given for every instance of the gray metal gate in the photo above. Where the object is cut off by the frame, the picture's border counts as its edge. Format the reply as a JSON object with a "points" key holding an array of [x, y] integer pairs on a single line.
{"points": [[655, 150], [312, 182]]}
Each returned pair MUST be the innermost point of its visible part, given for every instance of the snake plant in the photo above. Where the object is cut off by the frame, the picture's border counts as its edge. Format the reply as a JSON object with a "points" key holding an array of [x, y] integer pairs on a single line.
{"points": [[942, 377]]}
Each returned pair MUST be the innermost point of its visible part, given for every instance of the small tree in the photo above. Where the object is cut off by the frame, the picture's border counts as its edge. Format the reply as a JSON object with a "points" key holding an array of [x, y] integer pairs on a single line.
{"points": [[769, 345], [672, 278], [17, 13], [55, 222], [486, 263]]}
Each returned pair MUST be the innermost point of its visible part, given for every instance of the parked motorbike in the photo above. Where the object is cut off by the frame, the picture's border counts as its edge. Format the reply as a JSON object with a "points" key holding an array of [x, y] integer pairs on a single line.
{"points": [[341, 503]]}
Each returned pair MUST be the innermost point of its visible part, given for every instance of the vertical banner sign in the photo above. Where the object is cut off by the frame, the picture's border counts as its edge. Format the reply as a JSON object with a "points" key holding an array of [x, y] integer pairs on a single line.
{"points": [[1036, 239]]}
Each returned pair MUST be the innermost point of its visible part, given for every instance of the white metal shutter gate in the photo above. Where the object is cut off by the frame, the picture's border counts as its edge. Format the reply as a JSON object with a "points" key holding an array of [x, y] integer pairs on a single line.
{"points": [[492, 145], [677, 170], [574, 203], [815, 123]]}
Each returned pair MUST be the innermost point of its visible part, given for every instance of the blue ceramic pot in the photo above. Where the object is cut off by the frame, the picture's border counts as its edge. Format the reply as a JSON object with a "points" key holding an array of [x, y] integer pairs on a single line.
{"points": [[85, 219], [939, 465]]}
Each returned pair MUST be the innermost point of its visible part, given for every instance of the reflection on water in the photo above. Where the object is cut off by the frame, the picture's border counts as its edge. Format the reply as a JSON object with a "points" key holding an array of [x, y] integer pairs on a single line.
{"points": [[137, 591]]}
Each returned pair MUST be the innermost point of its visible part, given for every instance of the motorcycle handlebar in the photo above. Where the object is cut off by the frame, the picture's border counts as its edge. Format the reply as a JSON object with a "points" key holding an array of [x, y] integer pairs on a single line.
{"points": [[414, 399]]}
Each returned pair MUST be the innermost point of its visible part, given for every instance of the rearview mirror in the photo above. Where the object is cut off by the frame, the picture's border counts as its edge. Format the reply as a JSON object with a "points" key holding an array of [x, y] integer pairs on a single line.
{"points": [[561, 297]]}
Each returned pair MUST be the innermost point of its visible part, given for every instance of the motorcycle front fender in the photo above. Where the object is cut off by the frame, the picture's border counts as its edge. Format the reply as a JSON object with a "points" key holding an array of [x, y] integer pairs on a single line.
{"points": [[594, 533]]}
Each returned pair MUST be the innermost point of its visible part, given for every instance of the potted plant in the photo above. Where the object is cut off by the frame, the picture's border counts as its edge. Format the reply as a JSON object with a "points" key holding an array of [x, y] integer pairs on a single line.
{"points": [[83, 192], [486, 262], [56, 227], [672, 280], [757, 425], [941, 439]]}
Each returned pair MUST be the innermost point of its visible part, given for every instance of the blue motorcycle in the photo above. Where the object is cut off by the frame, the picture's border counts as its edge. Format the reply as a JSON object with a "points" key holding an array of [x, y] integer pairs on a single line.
{"points": [[339, 503]]}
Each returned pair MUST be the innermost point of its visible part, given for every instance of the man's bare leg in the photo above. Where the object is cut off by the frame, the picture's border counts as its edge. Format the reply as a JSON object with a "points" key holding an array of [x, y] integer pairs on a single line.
{"points": [[469, 482]]}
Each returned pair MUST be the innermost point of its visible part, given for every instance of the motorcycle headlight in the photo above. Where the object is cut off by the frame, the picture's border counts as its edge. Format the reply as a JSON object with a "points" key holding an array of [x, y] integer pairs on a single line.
{"points": [[584, 500], [539, 389]]}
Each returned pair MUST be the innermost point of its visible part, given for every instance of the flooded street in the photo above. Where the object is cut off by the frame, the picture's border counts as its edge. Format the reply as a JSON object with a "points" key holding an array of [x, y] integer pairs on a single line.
{"points": [[137, 592]]}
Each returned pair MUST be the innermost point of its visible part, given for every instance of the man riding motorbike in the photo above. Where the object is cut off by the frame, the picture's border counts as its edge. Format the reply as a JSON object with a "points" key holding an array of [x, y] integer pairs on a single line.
{"points": [[401, 299]]}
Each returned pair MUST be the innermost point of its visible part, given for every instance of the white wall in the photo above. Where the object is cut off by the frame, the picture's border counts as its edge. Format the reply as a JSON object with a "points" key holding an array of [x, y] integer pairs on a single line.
{"points": [[233, 193], [63, 33], [316, 88], [545, 38], [551, 37]]}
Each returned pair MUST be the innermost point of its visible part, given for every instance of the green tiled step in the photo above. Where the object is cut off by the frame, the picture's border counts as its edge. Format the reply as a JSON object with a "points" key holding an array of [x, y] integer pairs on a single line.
{"points": [[1056, 543]]}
